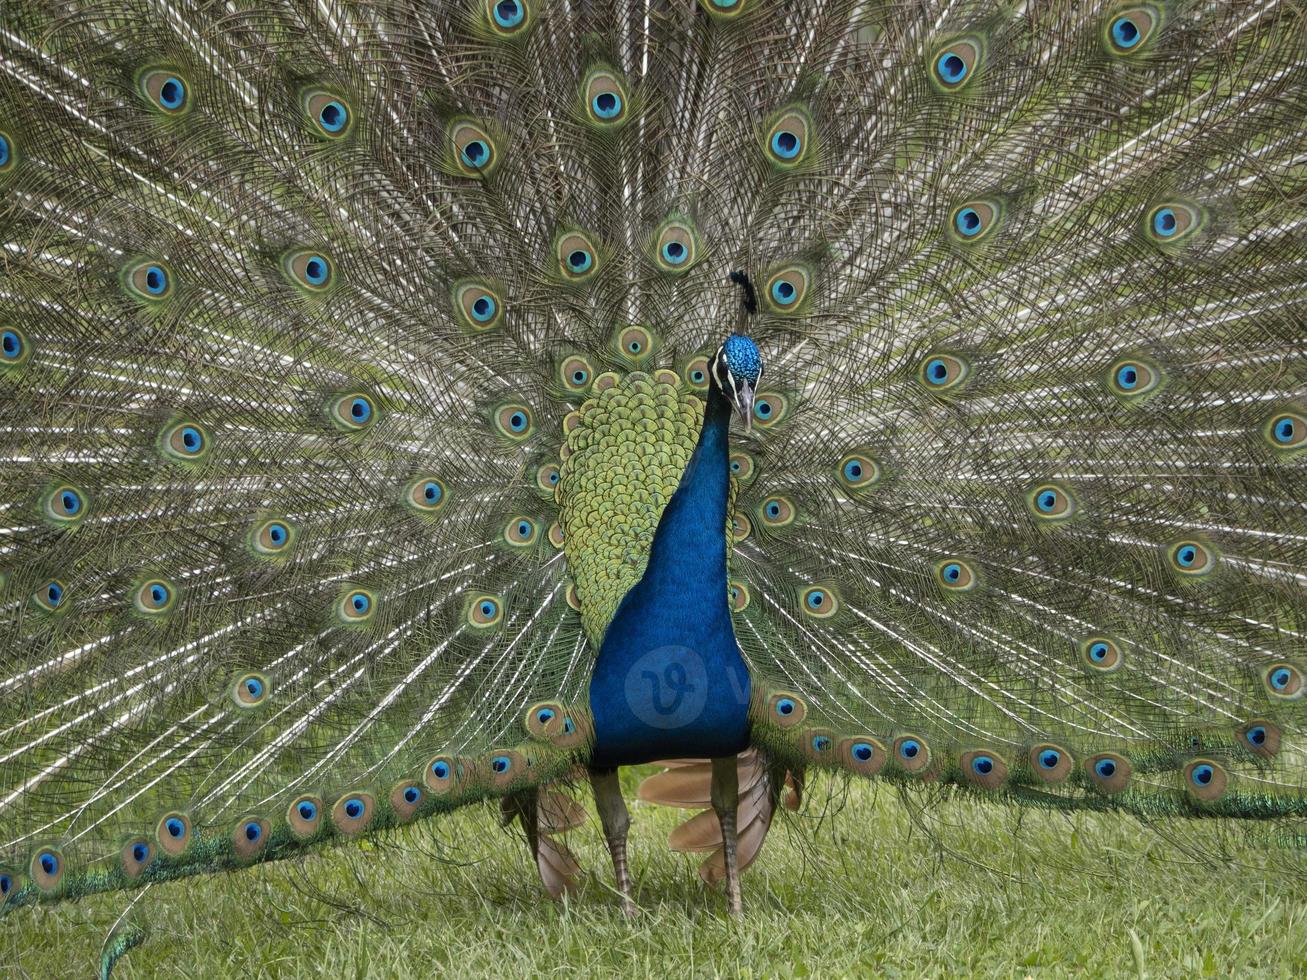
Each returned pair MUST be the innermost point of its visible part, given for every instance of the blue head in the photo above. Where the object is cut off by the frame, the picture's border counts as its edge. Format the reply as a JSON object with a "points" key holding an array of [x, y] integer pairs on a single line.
{"points": [[736, 370]]}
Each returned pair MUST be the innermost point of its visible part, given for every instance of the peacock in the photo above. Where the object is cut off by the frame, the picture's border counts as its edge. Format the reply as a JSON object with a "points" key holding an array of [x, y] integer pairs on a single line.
{"points": [[411, 404]]}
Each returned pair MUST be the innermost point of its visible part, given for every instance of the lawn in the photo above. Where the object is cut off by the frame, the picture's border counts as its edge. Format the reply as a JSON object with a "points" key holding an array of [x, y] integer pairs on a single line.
{"points": [[861, 882]]}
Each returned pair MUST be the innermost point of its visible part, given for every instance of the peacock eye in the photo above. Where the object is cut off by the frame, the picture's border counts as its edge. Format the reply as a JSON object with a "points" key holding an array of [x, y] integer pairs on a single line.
{"points": [[577, 256], [955, 575], [485, 611], [328, 113], [356, 607], [788, 138], [307, 810], [819, 603], [1172, 222], [575, 372], [1192, 558], [154, 597], [1133, 378], [353, 412], [514, 421], [1101, 654], [1284, 681], [943, 372], [65, 505], [14, 348], [1287, 431], [506, 17], [954, 65], [7, 155], [150, 281], [675, 246], [165, 90], [1051, 503], [786, 289], [1128, 31], [521, 531], [604, 97]]}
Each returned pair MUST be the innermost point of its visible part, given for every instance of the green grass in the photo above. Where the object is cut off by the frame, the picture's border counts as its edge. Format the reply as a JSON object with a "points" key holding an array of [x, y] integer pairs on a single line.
{"points": [[853, 885]]}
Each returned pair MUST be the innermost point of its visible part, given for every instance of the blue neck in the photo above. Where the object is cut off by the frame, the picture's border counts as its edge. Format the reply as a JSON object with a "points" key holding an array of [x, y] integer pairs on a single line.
{"points": [[669, 679]]}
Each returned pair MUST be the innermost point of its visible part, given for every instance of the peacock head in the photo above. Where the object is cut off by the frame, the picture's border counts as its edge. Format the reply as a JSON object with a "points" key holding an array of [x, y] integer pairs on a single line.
{"points": [[736, 369]]}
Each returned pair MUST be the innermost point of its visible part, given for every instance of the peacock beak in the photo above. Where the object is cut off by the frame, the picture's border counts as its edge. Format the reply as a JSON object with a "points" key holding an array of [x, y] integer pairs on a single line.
{"points": [[743, 400]]}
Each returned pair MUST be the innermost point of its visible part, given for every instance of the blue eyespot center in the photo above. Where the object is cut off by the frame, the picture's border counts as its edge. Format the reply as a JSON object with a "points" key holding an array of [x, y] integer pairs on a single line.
{"points": [[354, 808], [332, 116], [360, 410], [1127, 376], [440, 770], [172, 93], [4, 150], [1105, 768], [158, 594], [253, 831], [1202, 775], [937, 371], [853, 470], [191, 439], [412, 795], [820, 743], [1187, 555], [910, 748], [508, 13], [54, 592], [1164, 222], [49, 863], [11, 345], [785, 707], [517, 422], [982, 765], [71, 502], [952, 68], [606, 105], [1284, 430], [501, 764], [1280, 678], [578, 260], [1256, 736], [1124, 33], [140, 852], [476, 153], [277, 533], [786, 144], [763, 409], [783, 291], [315, 270], [816, 598], [674, 252], [968, 222], [1047, 501], [5, 881], [307, 810], [359, 602], [483, 308], [1049, 758], [952, 572], [254, 687], [488, 609], [863, 752], [1098, 651], [175, 827], [156, 280], [545, 715]]}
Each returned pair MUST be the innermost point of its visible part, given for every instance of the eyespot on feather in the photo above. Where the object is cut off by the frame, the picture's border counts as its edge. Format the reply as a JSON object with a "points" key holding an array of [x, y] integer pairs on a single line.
{"points": [[777, 512], [514, 422], [788, 140], [786, 709], [954, 65], [862, 754], [442, 774], [1050, 763], [576, 372], [770, 408], [185, 441], [272, 537], [634, 343], [173, 833], [1127, 31], [15, 348], [427, 494], [973, 221], [696, 373], [1051, 503], [353, 411], [250, 690], [741, 527], [956, 575], [330, 115], [507, 767], [508, 19], [148, 280], [485, 611], [604, 100], [310, 271], [136, 857], [353, 813], [474, 152], [858, 470], [578, 258], [46, 869], [8, 153], [1286, 431], [50, 596], [943, 372], [478, 305], [1260, 737], [1134, 379], [725, 10], [304, 816], [1173, 222], [818, 745], [675, 247], [1109, 772], [1191, 558], [521, 531], [166, 91], [154, 597], [911, 753], [785, 291], [742, 467], [356, 606], [1205, 780], [819, 602], [405, 798], [65, 505], [249, 837], [1101, 654], [983, 769], [1284, 681], [739, 596]]}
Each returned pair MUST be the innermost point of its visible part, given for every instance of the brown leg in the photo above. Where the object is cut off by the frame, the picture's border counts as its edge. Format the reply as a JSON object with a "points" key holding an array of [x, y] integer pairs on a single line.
{"points": [[616, 822], [725, 797]]}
